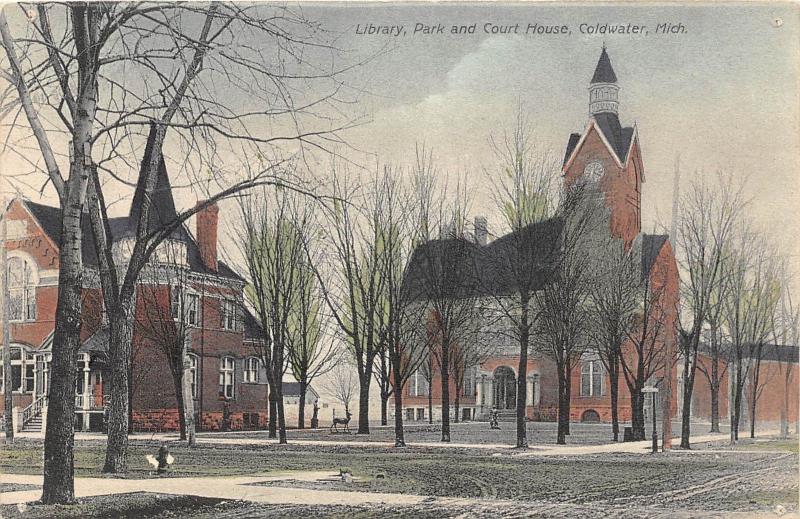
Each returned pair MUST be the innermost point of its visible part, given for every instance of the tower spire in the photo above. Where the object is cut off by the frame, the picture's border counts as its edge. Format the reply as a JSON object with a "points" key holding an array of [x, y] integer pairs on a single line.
{"points": [[603, 88]]}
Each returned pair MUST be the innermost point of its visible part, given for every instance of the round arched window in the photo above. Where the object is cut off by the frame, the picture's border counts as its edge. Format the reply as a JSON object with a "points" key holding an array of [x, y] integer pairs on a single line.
{"points": [[21, 290]]}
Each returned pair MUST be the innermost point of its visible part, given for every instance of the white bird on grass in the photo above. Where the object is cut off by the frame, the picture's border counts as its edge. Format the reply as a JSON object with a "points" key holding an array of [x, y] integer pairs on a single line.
{"points": [[154, 462]]}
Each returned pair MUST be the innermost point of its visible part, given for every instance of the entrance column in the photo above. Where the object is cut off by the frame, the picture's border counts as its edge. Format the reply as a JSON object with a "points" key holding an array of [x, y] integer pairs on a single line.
{"points": [[489, 389], [479, 395], [529, 391], [537, 390]]}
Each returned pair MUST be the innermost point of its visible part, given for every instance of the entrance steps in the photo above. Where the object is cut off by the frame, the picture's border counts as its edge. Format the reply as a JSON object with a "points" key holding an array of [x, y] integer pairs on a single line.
{"points": [[34, 424]]}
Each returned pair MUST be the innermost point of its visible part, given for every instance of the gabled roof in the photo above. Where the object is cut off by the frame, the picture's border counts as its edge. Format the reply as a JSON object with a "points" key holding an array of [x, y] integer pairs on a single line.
{"points": [[618, 140], [252, 328], [604, 72]]}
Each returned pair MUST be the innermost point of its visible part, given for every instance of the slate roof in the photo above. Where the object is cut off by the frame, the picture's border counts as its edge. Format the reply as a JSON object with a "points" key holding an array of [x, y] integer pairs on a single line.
{"points": [[50, 220], [618, 137], [651, 245], [604, 72], [468, 269], [97, 342], [252, 328], [490, 269], [293, 389]]}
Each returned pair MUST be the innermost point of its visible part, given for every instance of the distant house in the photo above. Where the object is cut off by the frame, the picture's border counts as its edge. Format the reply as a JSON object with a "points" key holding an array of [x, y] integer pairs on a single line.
{"points": [[291, 403]]}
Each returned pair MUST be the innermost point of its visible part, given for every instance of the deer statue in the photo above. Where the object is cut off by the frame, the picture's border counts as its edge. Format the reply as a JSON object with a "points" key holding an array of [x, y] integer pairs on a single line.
{"points": [[342, 421]]}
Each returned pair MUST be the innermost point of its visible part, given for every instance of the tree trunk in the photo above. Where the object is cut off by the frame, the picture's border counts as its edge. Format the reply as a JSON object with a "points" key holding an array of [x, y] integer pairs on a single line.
{"points": [[301, 410], [613, 376], [188, 404], [785, 406], [399, 437], [456, 404], [363, 403], [637, 413], [688, 384], [8, 391], [384, 407], [445, 372], [567, 396], [59, 471], [120, 337], [522, 381], [754, 400], [714, 383], [430, 401], [273, 412], [737, 401], [561, 438], [714, 408], [281, 417], [177, 381]]}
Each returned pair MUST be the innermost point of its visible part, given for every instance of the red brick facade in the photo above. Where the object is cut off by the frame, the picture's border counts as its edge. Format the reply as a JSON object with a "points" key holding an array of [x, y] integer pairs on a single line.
{"points": [[154, 405]]}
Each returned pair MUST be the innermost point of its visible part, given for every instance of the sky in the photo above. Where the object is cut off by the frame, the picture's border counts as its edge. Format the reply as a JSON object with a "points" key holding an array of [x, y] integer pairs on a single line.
{"points": [[721, 95]]}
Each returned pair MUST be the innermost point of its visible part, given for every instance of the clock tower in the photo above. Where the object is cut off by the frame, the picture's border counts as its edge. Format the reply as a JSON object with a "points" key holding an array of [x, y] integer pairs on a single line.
{"points": [[607, 155]]}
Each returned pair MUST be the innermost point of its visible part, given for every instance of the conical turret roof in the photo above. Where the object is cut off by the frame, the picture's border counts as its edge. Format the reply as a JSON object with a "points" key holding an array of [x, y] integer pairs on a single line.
{"points": [[162, 207], [604, 72]]}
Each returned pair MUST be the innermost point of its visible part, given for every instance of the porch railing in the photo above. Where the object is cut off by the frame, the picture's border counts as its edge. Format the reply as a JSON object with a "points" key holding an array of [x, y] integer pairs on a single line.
{"points": [[93, 406], [33, 410]]}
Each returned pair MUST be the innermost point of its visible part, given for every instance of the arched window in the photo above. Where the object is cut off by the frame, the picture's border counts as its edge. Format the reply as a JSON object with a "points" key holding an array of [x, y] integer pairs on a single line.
{"points": [[592, 378], [226, 376], [193, 370], [21, 290], [418, 384], [251, 365]]}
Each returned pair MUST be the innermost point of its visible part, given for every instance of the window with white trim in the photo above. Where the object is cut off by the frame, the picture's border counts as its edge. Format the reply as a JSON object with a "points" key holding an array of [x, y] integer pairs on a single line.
{"points": [[592, 378], [418, 384], [251, 365], [21, 290], [193, 362], [227, 367], [23, 366], [228, 313], [184, 304]]}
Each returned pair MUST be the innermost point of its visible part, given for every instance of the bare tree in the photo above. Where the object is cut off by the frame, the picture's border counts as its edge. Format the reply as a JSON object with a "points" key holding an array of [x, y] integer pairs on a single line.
{"points": [[309, 356], [443, 269], [613, 307], [342, 383], [164, 323], [272, 241], [564, 300], [786, 333], [184, 56], [708, 215], [350, 280], [751, 302], [524, 191], [648, 339], [717, 350]]}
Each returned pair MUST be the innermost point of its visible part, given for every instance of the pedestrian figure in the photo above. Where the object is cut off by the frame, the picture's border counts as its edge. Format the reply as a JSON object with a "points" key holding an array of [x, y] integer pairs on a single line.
{"points": [[494, 421], [314, 419]]}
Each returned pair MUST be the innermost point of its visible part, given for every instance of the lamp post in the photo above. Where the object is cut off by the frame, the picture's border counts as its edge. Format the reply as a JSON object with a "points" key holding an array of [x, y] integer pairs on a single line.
{"points": [[653, 390]]}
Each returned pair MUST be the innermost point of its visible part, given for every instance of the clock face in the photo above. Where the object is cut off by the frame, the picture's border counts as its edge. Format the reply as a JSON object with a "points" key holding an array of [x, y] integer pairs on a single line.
{"points": [[593, 171]]}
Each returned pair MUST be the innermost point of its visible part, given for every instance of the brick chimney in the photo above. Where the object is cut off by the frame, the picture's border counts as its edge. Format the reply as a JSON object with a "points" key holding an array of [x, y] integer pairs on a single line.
{"points": [[207, 235], [481, 230]]}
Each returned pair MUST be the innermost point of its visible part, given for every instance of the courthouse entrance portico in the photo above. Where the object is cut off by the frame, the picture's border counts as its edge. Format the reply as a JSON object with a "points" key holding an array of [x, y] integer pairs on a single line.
{"points": [[504, 388]]}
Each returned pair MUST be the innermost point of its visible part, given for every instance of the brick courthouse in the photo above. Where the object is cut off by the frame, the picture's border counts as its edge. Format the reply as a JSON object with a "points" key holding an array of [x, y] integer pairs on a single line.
{"points": [[607, 154], [229, 383]]}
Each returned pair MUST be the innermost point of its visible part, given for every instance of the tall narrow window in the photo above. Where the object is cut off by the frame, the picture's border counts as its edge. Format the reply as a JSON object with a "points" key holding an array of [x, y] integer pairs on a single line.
{"points": [[228, 314], [469, 381], [592, 378], [251, 370], [175, 302], [417, 384], [192, 309], [21, 291], [226, 377], [193, 372]]}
